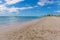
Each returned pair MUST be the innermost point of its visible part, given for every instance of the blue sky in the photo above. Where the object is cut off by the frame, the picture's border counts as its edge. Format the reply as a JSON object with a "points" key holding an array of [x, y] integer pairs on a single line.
{"points": [[29, 7]]}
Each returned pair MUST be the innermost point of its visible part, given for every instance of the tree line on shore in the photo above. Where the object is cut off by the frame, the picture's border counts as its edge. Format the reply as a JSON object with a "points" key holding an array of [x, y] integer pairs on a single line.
{"points": [[52, 15]]}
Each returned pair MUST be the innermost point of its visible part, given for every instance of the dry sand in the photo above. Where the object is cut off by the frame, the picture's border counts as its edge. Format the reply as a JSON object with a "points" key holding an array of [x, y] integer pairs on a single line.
{"points": [[47, 28]]}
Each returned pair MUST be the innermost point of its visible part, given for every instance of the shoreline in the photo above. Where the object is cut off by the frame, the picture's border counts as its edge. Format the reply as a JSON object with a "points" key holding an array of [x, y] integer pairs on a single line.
{"points": [[17, 24], [47, 28]]}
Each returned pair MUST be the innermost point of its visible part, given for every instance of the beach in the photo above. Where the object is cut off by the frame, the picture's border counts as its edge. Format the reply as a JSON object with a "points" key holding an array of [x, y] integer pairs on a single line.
{"points": [[46, 28]]}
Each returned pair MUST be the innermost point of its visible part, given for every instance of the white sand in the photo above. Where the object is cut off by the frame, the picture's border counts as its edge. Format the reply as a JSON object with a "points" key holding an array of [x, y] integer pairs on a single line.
{"points": [[47, 28]]}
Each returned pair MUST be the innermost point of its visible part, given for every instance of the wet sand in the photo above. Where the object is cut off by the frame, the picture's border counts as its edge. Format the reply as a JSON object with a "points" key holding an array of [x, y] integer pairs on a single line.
{"points": [[47, 28]]}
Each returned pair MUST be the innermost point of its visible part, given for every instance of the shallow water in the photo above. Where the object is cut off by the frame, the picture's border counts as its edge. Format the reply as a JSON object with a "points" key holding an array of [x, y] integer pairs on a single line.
{"points": [[8, 21]]}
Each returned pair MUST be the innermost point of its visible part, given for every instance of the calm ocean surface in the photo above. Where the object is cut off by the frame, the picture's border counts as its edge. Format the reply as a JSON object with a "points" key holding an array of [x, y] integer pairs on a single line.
{"points": [[8, 19]]}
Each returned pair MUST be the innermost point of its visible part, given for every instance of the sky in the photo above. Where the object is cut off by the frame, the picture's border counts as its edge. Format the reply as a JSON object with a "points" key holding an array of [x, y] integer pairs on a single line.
{"points": [[29, 7]]}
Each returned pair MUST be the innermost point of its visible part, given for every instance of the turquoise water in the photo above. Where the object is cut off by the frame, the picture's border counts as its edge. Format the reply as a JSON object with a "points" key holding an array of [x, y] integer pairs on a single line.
{"points": [[8, 19]]}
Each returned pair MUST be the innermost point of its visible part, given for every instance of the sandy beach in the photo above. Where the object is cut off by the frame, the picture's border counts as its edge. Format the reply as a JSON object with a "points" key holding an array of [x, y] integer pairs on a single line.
{"points": [[46, 28]]}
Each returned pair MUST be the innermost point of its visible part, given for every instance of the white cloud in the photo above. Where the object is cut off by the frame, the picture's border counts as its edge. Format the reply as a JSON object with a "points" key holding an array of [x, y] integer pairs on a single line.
{"points": [[6, 10], [3, 8], [41, 3], [45, 2], [13, 9], [30, 7], [9, 2], [58, 11]]}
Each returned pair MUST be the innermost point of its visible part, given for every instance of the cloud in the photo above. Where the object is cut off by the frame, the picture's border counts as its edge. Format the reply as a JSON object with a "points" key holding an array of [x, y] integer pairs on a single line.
{"points": [[9, 2], [30, 7], [6, 10], [15, 9], [46, 2], [58, 11], [3, 8], [41, 3], [12, 9]]}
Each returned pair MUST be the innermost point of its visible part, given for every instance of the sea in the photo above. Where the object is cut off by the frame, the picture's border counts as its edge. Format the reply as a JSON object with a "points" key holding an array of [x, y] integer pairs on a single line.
{"points": [[6, 21]]}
